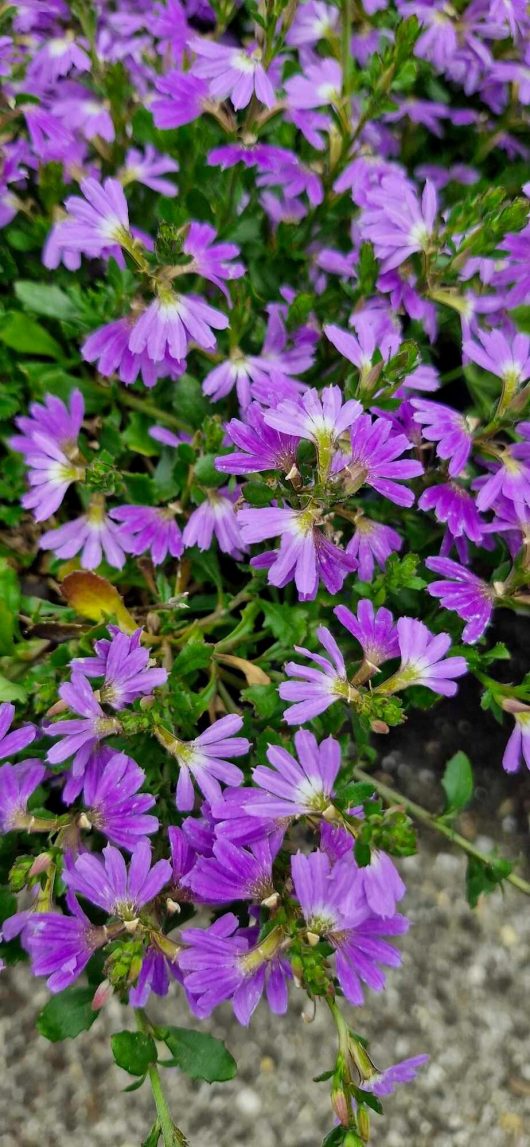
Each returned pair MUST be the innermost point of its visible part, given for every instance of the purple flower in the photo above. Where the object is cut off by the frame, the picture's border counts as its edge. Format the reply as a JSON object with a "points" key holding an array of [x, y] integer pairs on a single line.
{"points": [[375, 631], [81, 736], [296, 787], [319, 86], [108, 346], [423, 660], [319, 418], [183, 98], [17, 783], [94, 535], [232, 72], [57, 56], [270, 372], [105, 881], [508, 359], [149, 529], [465, 593], [381, 883], [518, 746], [225, 962], [305, 554], [360, 348], [233, 873], [334, 907], [206, 759], [154, 977], [61, 946], [509, 479], [316, 689], [261, 447], [11, 743], [48, 441], [216, 516], [124, 666], [448, 428], [98, 220], [455, 506], [385, 1082], [171, 322], [397, 222], [372, 542], [211, 260], [113, 804], [183, 857], [148, 168], [234, 822], [312, 22], [375, 460]]}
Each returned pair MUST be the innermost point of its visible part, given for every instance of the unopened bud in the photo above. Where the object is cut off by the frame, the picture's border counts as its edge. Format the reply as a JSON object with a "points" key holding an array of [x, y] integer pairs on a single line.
{"points": [[340, 1104], [101, 995], [40, 864], [378, 726], [58, 707], [352, 1140], [363, 1123], [172, 906]]}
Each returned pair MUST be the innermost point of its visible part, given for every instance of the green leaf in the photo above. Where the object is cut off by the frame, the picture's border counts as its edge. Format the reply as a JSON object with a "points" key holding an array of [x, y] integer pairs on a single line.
{"points": [[288, 623], [45, 299], [11, 692], [484, 877], [457, 782], [28, 337], [67, 1014], [206, 473], [154, 1135], [137, 437], [258, 493], [133, 1051], [196, 654], [265, 700], [198, 1054]]}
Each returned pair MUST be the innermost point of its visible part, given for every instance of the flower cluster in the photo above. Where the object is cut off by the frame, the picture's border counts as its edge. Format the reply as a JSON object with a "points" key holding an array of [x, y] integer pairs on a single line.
{"points": [[266, 485]]}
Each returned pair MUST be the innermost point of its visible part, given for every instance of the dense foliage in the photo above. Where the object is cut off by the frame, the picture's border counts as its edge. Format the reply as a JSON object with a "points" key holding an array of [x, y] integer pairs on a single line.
{"points": [[266, 284]]}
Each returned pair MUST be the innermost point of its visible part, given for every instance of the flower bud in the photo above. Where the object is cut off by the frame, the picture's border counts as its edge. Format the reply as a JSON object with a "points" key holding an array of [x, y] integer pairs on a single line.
{"points": [[363, 1123], [101, 995]]}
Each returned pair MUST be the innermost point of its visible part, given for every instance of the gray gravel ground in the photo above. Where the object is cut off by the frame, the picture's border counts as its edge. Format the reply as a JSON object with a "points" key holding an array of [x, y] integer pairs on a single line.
{"points": [[461, 995]]}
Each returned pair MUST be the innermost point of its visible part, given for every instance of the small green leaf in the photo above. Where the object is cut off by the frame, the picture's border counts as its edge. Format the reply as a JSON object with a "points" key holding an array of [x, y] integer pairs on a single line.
{"points": [[154, 1135], [457, 782], [198, 1054], [136, 1085], [133, 1051], [362, 853], [481, 877], [28, 337], [11, 692], [45, 299], [67, 1014]]}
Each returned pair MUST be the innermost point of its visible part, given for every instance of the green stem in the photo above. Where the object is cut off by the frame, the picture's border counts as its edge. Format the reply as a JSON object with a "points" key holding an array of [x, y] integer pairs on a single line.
{"points": [[150, 408], [391, 796], [345, 44], [171, 1134]]}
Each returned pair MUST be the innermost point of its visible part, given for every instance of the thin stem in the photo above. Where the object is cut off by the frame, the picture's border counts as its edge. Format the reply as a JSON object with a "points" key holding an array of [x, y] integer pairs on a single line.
{"points": [[171, 1134], [345, 44], [150, 408], [419, 813]]}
